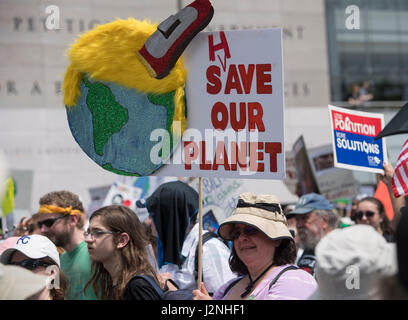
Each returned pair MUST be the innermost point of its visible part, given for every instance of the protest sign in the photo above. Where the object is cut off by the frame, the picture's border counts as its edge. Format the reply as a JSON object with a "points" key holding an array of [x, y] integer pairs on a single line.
{"points": [[304, 171], [234, 94], [334, 183], [127, 190], [290, 180], [353, 134]]}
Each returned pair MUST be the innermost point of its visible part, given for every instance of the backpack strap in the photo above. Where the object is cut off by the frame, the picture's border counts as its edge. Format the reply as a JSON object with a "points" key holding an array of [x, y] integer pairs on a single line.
{"points": [[233, 283], [153, 283], [206, 236], [280, 273]]}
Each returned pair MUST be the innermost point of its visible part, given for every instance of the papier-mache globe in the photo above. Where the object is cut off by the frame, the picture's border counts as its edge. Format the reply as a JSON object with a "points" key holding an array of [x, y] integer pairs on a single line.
{"points": [[112, 103]]}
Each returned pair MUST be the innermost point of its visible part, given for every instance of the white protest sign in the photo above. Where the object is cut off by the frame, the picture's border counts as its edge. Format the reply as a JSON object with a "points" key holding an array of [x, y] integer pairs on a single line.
{"points": [[234, 95], [334, 183]]}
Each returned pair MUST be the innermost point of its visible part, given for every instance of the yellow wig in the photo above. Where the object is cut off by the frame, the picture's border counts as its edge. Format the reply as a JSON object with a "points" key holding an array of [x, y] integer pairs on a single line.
{"points": [[109, 53]]}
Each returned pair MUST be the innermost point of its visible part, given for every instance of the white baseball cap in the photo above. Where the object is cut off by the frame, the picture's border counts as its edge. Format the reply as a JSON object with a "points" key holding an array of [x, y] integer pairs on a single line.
{"points": [[17, 283], [351, 261], [33, 246]]}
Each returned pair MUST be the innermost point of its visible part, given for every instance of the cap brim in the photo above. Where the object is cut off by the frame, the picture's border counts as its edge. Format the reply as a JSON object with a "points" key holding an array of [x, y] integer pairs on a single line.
{"points": [[301, 211], [274, 230]]}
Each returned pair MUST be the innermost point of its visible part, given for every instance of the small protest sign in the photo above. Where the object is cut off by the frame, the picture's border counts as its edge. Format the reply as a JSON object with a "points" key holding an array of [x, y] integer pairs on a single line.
{"points": [[353, 134]]}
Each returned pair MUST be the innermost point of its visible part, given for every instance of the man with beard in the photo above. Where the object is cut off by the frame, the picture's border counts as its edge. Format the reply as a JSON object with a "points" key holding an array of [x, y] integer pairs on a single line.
{"points": [[61, 219], [314, 219]]}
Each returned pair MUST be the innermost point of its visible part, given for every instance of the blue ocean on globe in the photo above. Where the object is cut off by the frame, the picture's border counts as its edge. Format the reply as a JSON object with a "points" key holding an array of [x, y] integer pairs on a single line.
{"points": [[127, 150]]}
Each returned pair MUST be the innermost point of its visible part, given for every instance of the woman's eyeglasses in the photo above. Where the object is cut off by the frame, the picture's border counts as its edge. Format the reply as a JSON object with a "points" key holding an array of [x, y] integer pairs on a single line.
{"points": [[49, 222], [368, 214], [31, 264], [96, 233], [248, 231]]}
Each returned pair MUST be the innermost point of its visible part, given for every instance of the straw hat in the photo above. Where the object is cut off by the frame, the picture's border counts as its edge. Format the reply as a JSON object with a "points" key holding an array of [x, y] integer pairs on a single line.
{"points": [[263, 212]]}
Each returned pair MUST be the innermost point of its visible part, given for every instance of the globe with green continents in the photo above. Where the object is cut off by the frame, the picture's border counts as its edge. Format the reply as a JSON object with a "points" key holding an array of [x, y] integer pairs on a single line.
{"points": [[113, 125]]}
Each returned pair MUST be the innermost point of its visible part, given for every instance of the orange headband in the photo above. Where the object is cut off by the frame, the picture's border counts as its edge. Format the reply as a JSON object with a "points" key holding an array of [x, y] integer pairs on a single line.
{"points": [[47, 208]]}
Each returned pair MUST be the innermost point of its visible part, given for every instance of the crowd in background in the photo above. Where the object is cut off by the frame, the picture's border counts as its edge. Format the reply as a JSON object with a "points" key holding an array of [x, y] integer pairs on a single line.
{"points": [[263, 250]]}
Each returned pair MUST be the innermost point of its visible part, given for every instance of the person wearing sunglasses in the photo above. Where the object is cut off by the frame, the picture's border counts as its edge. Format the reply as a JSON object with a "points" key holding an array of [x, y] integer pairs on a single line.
{"points": [[263, 254], [371, 211], [118, 248], [39, 255], [61, 218]]}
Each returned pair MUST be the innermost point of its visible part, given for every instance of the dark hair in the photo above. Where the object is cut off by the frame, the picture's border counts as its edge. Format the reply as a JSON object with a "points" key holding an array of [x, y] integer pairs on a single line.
{"points": [[385, 225], [134, 255], [284, 254], [64, 199]]}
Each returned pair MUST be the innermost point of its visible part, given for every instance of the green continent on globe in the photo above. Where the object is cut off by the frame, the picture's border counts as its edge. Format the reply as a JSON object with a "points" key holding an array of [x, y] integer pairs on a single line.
{"points": [[108, 116], [166, 100]]}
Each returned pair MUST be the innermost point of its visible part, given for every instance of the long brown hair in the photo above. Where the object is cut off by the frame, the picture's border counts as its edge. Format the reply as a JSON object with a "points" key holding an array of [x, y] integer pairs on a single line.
{"points": [[134, 255]]}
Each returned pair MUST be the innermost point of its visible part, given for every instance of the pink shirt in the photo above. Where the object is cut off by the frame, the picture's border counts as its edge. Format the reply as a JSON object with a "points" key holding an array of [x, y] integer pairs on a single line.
{"points": [[292, 285]]}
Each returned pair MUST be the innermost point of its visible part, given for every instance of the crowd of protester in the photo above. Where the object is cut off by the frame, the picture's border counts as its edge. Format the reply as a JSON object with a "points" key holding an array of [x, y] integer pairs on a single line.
{"points": [[263, 250]]}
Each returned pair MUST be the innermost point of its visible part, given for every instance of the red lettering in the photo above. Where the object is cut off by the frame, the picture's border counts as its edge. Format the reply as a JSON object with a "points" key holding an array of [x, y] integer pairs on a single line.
{"points": [[219, 107], [246, 76], [223, 45], [188, 155], [221, 157], [255, 119], [254, 156], [204, 165], [235, 124], [214, 83], [273, 148], [238, 155], [263, 78], [233, 80]]}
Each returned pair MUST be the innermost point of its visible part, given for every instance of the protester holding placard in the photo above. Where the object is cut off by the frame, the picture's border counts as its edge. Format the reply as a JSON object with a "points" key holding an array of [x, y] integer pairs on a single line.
{"points": [[119, 251], [173, 208], [263, 254]]}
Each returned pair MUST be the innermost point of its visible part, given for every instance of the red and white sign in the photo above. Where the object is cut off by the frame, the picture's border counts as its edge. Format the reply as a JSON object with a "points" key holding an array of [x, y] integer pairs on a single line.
{"points": [[234, 94]]}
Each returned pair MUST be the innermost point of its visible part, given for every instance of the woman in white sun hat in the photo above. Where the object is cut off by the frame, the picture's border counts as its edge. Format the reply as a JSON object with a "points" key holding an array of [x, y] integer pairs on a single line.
{"points": [[39, 255], [263, 254]]}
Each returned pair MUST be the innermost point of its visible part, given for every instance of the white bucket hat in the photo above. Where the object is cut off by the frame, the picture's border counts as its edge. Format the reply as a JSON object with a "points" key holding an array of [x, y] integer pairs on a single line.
{"points": [[17, 283], [33, 246], [263, 212], [350, 262]]}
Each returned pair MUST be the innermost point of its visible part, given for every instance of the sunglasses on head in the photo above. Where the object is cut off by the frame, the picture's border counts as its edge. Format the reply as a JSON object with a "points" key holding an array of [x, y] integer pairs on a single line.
{"points": [[248, 231], [31, 264], [368, 214], [49, 222]]}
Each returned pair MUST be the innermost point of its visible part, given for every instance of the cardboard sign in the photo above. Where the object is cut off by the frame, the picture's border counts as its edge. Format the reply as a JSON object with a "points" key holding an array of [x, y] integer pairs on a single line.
{"points": [[304, 171], [234, 96], [353, 135], [334, 183]]}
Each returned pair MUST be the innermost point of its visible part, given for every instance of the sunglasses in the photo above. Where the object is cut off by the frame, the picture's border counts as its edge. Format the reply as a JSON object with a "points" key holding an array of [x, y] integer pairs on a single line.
{"points": [[368, 214], [49, 222], [31, 264], [248, 231]]}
